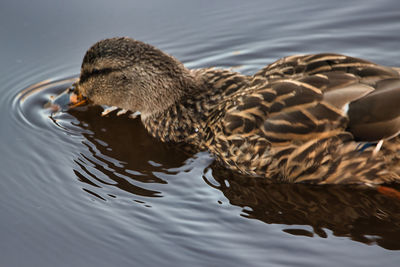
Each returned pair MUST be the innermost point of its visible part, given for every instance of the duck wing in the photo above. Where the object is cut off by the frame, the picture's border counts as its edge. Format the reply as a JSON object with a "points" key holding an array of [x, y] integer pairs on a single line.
{"points": [[316, 95]]}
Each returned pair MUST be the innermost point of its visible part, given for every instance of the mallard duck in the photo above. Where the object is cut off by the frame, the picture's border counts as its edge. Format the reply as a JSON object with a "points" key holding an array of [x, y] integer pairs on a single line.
{"points": [[318, 118]]}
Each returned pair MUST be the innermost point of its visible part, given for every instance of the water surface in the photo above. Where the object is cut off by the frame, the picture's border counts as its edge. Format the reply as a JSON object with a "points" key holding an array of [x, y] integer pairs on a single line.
{"points": [[80, 189]]}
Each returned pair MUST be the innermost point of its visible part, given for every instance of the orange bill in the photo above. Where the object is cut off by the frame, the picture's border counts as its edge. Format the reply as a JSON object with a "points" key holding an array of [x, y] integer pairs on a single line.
{"points": [[76, 100], [70, 98]]}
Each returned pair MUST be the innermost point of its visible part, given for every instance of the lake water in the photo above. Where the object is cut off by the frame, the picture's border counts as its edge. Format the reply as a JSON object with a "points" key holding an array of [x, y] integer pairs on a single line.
{"points": [[79, 189]]}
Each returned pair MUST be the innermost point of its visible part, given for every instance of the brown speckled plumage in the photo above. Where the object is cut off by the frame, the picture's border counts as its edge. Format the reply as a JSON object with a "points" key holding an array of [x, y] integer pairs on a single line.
{"points": [[300, 119]]}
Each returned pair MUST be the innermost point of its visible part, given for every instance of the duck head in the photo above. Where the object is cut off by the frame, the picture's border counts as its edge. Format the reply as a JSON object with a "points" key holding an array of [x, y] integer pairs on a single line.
{"points": [[128, 74]]}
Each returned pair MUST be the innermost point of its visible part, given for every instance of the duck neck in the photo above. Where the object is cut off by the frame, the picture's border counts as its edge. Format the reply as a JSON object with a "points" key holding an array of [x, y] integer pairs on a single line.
{"points": [[188, 119], [181, 120]]}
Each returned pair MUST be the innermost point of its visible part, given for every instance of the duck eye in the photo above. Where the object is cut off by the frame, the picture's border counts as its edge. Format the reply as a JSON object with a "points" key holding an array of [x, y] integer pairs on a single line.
{"points": [[96, 72]]}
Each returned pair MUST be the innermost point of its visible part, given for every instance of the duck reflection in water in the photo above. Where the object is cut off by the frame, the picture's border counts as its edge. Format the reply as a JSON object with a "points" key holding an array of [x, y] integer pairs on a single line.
{"points": [[359, 213], [129, 155]]}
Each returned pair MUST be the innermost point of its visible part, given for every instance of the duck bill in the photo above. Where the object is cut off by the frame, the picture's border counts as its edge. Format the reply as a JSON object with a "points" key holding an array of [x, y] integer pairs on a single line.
{"points": [[70, 98]]}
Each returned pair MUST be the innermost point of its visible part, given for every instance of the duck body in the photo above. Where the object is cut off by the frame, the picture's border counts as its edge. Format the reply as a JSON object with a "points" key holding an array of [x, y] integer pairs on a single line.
{"points": [[302, 118]]}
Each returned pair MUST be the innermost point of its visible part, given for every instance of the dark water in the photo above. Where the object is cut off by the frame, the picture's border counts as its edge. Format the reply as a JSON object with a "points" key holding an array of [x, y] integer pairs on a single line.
{"points": [[79, 189]]}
